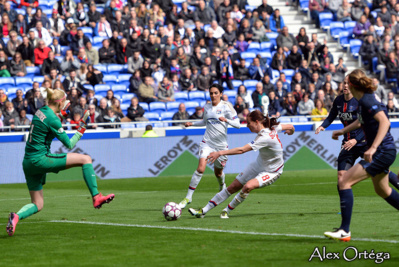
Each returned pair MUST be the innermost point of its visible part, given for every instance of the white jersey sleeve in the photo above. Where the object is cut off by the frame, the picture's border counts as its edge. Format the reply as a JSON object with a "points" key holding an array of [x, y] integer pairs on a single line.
{"points": [[259, 142], [278, 128], [231, 115]]}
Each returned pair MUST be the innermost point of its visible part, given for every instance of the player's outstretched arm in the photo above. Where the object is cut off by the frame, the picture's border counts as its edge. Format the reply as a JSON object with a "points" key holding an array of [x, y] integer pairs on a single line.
{"points": [[288, 128], [351, 127], [234, 151]]}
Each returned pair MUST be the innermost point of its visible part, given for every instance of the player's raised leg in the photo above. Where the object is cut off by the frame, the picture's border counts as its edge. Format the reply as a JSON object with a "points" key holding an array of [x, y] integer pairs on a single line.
{"points": [[75, 160], [393, 179], [220, 176], [195, 179]]}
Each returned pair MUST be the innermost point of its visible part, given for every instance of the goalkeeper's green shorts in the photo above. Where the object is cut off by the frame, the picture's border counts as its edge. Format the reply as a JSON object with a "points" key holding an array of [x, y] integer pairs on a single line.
{"points": [[35, 169]]}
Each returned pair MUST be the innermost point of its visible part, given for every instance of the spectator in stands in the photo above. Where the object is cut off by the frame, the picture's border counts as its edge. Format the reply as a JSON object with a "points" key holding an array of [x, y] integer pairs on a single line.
{"points": [[391, 108], [20, 25], [112, 117], [135, 82], [239, 105], [135, 112], [257, 95], [146, 91], [225, 72], [344, 12], [72, 82], [4, 65], [42, 33], [94, 117], [27, 52], [286, 40], [392, 66], [106, 53], [368, 51], [204, 79], [297, 79], [302, 38], [94, 76], [274, 107], [13, 43], [294, 59], [102, 107], [204, 14], [146, 70], [186, 81], [289, 106], [198, 114], [135, 62], [22, 120], [340, 70], [259, 32], [151, 50], [75, 121], [123, 52], [41, 52], [361, 28], [265, 7], [81, 107], [384, 15], [103, 28], [278, 60], [6, 25], [3, 100], [36, 102], [315, 8], [93, 14], [79, 41], [276, 21], [241, 72], [56, 24], [90, 99], [19, 102], [267, 84], [281, 93], [17, 66], [165, 91], [380, 92], [230, 37], [182, 114], [319, 110], [306, 105], [256, 70], [92, 53], [50, 63], [317, 81], [80, 17], [69, 63], [82, 73], [247, 98], [56, 47]]}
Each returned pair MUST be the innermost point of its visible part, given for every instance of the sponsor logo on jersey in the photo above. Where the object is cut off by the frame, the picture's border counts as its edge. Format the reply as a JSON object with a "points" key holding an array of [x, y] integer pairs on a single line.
{"points": [[253, 142], [235, 117], [219, 111], [214, 121], [40, 115]]}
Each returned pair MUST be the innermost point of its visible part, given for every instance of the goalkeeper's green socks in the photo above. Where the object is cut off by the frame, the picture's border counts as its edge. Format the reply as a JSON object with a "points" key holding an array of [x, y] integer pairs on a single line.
{"points": [[90, 178], [27, 211]]}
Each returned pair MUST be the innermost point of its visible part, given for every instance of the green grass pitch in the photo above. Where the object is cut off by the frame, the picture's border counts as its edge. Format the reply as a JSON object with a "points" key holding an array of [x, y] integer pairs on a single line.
{"points": [[276, 226]]}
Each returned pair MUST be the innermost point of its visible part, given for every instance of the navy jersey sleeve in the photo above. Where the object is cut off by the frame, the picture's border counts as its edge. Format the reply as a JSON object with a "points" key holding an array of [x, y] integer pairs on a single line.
{"points": [[331, 116], [372, 105]]}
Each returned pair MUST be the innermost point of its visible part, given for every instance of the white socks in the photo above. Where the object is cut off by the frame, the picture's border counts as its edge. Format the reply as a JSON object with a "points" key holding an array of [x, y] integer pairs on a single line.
{"points": [[195, 179], [221, 179], [216, 200]]}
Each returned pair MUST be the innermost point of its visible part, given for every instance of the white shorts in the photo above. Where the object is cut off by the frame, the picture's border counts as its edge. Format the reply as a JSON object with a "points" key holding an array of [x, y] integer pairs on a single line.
{"points": [[205, 150], [253, 171]]}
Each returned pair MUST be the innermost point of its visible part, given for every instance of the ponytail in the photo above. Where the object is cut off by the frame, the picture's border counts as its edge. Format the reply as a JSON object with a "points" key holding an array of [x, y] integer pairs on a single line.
{"points": [[358, 80], [54, 96], [267, 122]]}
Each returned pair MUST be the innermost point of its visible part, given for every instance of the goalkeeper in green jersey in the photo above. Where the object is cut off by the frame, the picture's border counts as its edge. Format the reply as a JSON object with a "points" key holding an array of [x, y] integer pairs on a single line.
{"points": [[38, 160]]}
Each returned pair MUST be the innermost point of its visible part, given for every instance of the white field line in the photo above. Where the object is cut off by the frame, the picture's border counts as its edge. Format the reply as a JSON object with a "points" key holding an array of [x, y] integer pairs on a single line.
{"points": [[218, 231]]}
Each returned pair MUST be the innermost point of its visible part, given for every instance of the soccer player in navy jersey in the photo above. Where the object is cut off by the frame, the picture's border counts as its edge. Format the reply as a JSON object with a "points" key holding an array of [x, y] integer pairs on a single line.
{"points": [[345, 106], [381, 152]]}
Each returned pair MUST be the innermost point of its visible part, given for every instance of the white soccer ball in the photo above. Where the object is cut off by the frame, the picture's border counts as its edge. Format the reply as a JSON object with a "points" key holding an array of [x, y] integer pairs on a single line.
{"points": [[171, 211]]}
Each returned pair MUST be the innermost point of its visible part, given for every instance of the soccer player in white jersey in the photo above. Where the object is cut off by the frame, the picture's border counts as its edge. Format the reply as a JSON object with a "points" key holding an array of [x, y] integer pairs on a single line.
{"points": [[263, 172], [218, 115]]}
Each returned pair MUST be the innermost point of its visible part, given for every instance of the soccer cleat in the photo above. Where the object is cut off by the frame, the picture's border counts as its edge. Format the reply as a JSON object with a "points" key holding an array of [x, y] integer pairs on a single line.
{"points": [[338, 234], [196, 213], [99, 200], [224, 215], [184, 203], [222, 187], [13, 219]]}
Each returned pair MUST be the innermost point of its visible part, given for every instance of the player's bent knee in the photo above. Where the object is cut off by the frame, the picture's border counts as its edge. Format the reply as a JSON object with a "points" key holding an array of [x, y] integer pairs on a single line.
{"points": [[39, 205], [87, 159]]}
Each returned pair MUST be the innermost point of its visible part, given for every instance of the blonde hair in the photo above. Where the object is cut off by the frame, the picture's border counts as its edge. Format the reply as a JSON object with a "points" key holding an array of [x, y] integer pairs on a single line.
{"points": [[361, 82], [53, 95]]}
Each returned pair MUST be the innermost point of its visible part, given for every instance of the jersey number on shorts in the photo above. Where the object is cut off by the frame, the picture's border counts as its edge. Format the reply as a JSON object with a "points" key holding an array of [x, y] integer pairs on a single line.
{"points": [[266, 177], [30, 133]]}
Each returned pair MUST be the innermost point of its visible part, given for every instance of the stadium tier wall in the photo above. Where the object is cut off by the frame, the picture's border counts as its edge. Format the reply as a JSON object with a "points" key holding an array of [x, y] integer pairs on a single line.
{"points": [[176, 153]]}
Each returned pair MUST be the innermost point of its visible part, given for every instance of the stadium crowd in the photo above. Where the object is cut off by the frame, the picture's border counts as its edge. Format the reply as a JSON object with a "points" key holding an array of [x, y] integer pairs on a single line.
{"points": [[167, 48]]}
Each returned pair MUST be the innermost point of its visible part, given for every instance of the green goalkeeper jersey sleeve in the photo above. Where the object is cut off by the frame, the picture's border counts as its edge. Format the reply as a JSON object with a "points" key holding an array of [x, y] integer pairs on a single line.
{"points": [[44, 128]]}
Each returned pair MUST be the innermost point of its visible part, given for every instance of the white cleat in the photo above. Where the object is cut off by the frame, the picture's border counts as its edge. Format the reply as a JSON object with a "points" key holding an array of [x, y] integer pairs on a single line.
{"points": [[196, 213], [222, 187], [224, 215], [184, 203], [339, 234]]}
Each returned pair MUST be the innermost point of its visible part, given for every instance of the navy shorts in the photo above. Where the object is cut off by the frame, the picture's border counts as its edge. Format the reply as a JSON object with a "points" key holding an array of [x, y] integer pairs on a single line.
{"points": [[381, 162], [347, 159]]}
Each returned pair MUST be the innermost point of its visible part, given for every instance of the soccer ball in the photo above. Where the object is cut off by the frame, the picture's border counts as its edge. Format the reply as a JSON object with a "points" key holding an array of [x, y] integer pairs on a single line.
{"points": [[171, 211]]}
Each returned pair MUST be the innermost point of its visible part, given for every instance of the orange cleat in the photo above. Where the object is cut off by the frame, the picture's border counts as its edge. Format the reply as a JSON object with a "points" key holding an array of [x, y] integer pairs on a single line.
{"points": [[99, 200], [13, 219]]}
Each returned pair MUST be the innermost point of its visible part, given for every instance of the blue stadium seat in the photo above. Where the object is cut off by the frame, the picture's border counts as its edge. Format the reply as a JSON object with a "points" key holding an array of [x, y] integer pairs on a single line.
{"points": [[29, 117], [349, 26], [6, 82], [248, 56], [335, 28], [157, 106], [152, 116], [202, 103], [59, 58], [88, 31], [275, 74], [101, 89], [48, 12], [325, 19], [374, 13], [110, 79], [167, 115], [101, 68], [115, 69], [250, 84], [344, 38], [88, 87], [392, 80], [236, 83], [266, 47], [254, 47], [181, 96], [172, 106], [272, 36], [191, 105], [32, 72], [267, 56], [124, 108], [98, 97], [284, 120], [127, 98], [64, 49], [124, 79], [304, 5], [119, 88], [251, 8], [38, 79], [144, 105], [196, 96], [207, 96], [23, 81], [20, 11], [97, 40], [288, 73], [12, 92], [375, 63], [355, 45]]}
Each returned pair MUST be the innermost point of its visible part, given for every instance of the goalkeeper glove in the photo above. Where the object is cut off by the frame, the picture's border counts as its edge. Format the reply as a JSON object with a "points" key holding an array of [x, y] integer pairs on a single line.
{"points": [[83, 122], [65, 111]]}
